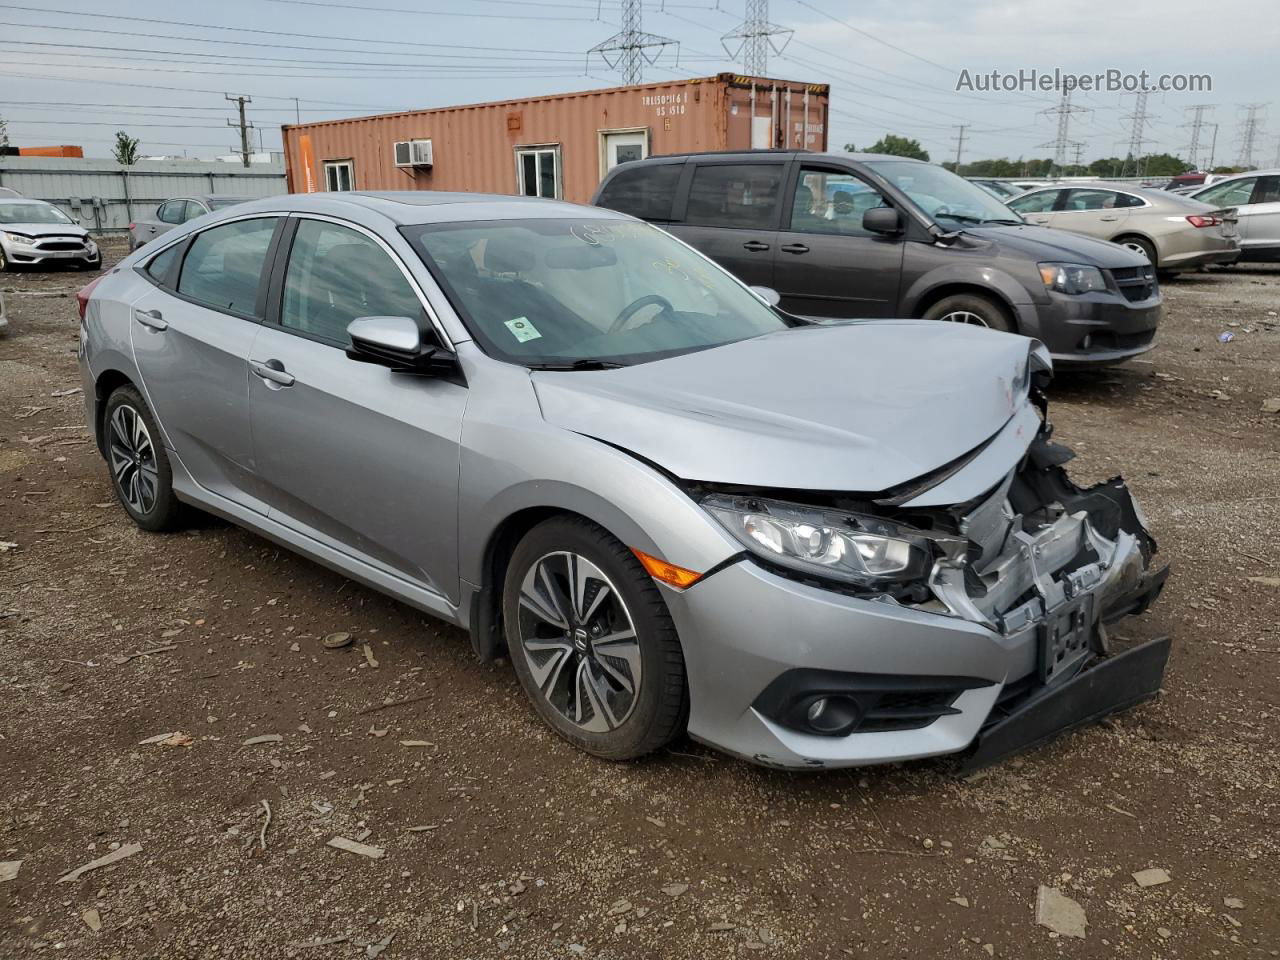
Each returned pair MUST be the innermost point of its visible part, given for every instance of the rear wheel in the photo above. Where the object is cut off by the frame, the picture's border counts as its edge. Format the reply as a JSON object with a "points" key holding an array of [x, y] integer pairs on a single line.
{"points": [[971, 308], [140, 471], [592, 641], [1141, 246]]}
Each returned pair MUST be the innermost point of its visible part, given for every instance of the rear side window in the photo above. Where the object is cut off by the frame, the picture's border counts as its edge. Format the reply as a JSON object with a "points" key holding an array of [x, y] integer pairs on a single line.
{"points": [[162, 263], [642, 190], [735, 195], [1041, 202], [223, 267]]}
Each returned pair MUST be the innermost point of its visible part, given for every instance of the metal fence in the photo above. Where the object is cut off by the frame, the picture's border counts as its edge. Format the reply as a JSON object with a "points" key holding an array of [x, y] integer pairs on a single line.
{"points": [[106, 196]]}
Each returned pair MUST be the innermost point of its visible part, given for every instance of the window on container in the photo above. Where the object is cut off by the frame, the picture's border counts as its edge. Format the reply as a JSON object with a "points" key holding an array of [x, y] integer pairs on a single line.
{"points": [[643, 191], [735, 195], [339, 175], [538, 171]]}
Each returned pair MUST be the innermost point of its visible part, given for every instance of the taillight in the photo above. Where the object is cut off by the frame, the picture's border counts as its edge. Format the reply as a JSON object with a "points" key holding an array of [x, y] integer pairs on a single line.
{"points": [[83, 295], [1198, 221], [133, 226]]}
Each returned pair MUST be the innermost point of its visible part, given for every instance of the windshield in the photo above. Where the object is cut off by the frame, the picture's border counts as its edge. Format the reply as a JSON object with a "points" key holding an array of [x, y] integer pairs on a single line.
{"points": [[32, 213], [563, 292], [219, 204], [949, 200]]}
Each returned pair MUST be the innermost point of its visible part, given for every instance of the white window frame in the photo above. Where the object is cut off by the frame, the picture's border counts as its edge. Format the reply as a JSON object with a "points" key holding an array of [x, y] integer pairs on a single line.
{"points": [[334, 166], [537, 149], [603, 141]]}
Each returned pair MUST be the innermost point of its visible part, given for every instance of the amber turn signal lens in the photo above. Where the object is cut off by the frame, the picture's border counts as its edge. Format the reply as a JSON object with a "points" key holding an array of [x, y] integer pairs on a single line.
{"points": [[668, 573]]}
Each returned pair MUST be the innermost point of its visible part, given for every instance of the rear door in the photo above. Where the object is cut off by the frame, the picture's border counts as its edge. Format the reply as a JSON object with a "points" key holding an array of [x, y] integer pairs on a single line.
{"points": [[827, 264], [351, 455], [731, 211], [191, 332]]}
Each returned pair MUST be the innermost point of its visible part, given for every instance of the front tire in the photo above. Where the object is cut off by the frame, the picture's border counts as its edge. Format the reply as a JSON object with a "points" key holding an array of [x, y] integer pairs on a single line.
{"points": [[592, 641], [140, 471], [971, 308]]}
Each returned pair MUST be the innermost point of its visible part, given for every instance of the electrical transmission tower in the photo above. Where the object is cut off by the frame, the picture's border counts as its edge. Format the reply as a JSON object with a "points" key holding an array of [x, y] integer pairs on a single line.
{"points": [[1197, 124], [1063, 111], [1078, 159], [1250, 128], [628, 50], [756, 37], [1136, 132]]}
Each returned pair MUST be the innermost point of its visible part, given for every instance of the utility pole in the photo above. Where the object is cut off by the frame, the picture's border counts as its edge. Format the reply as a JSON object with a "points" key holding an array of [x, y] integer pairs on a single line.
{"points": [[244, 126], [1078, 146], [1250, 127], [630, 47], [959, 139], [1063, 111], [1197, 123], [1136, 138], [756, 34], [297, 111]]}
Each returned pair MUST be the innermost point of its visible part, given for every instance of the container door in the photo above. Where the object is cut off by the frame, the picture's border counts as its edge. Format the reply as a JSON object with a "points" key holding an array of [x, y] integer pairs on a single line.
{"points": [[625, 147]]}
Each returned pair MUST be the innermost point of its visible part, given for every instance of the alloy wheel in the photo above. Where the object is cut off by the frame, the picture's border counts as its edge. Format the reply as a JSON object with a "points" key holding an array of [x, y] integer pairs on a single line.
{"points": [[964, 316], [133, 459], [1137, 248], [579, 642]]}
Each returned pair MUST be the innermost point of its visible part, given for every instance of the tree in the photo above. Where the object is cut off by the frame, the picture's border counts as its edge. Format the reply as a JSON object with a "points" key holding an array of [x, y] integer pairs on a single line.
{"points": [[896, 146], [4, 133], [126, 148]]}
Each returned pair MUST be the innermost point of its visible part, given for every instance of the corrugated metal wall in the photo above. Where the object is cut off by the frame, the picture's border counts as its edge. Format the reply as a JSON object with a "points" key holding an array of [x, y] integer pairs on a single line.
{"points": [[105, 195]]}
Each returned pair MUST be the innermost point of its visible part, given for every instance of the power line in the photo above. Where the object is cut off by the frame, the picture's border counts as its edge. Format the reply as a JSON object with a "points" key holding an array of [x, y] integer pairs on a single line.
{"points": [[872, 36], [756, 35]]}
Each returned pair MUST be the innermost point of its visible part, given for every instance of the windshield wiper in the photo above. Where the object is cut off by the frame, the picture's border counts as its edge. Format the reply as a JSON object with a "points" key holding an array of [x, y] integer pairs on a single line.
{"points": [[586, 364], [1016, 223]]}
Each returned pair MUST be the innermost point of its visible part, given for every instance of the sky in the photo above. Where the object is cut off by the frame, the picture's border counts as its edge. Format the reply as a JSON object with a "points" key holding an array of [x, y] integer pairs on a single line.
{"points": [[75, 71]]}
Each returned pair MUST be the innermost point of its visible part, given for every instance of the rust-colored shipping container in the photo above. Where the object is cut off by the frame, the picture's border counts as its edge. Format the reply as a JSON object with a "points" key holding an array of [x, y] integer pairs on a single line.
{"points": [[59, 151], [559, 145]]}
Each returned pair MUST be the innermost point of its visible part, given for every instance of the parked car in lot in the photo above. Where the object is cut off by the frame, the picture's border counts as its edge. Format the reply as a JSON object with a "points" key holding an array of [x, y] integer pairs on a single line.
{"points": [[906, 239], [34, 233], [175, 212], [1000, 189], [1170, 232], [1255, 196], [8, 192], [814, 545]]}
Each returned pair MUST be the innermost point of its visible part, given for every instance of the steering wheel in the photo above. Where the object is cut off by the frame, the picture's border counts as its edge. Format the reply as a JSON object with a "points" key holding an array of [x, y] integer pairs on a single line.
{"points": [[635, 306]]}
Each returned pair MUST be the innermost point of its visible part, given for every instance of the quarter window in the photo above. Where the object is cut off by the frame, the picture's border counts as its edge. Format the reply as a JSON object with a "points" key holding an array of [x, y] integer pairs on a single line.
{"points": [[827, 201], [339, 175], [337, 275], [538, 171], [162, 262], [223, 267], [735, 195]]}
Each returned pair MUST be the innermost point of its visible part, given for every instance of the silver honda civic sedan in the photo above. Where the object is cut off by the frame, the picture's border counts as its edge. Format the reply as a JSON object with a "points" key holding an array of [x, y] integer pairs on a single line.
{"points": [[678, 508]]}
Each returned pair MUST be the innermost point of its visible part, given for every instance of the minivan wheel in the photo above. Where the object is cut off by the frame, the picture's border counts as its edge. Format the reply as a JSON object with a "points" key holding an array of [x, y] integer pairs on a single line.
{"points": [[971, 308], [592, 641], [140, 472]]}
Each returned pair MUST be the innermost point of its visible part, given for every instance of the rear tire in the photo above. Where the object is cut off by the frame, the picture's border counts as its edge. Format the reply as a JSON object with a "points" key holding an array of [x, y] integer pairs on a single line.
{"points": [[972, 308], [139, 464], [605, 670], [1139, 245]]}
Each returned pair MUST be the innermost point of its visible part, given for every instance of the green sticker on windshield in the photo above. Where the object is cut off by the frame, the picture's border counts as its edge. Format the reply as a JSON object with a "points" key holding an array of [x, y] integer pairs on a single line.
{"points": [[522, 329]]}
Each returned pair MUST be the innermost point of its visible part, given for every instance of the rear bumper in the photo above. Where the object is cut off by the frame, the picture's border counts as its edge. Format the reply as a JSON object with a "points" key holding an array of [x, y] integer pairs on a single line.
{"points": [[1202, 258]]}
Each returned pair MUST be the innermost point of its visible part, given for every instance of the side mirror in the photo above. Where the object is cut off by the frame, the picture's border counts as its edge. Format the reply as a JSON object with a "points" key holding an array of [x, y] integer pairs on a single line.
{"points": [[768, 295], [396, 342], [885, 220]]}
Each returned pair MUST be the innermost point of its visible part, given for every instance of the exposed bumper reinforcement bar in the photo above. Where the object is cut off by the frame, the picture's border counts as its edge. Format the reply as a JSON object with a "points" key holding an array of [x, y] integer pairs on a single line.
{"points": [[1109, 686]]}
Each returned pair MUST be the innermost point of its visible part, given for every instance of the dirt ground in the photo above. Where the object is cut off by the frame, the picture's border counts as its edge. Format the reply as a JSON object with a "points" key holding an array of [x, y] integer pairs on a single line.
{"points": [[502, 841]]}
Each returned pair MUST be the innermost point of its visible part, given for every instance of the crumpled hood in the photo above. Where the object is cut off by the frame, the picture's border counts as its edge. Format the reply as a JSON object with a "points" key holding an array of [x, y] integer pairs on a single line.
{"points": [[858, 407], [45, 229], [1062, 246]]}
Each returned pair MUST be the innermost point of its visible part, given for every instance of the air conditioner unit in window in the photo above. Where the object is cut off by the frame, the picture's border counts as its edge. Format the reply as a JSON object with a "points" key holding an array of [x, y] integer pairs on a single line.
{"points": [[413, 153]]}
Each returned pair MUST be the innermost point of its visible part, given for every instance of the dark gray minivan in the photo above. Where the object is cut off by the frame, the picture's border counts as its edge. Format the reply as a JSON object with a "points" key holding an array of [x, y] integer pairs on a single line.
{"points": [[848, 235]]}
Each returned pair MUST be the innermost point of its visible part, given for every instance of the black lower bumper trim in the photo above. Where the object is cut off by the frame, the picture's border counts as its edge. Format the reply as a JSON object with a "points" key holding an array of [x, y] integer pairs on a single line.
{"points": [[1108, 687]]}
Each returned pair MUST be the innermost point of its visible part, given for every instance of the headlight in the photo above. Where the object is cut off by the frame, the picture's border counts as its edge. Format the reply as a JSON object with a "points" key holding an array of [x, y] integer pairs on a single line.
{"points": [[20, 239], [852, 548], [1072, 278]]}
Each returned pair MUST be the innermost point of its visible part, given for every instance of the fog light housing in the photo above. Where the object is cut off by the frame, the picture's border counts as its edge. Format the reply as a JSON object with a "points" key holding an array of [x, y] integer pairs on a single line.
{"points": [[832, 716]]}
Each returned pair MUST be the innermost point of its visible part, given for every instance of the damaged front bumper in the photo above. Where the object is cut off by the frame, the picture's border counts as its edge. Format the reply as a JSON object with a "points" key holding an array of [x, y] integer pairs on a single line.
{"points": [[1009, 648]]}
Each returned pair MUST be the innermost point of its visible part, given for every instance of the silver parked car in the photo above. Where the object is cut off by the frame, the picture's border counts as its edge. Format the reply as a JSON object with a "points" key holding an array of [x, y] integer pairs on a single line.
{"points": [[1255, 196], [1173, 232], [34, 233], [174, 213], [811, 545]]}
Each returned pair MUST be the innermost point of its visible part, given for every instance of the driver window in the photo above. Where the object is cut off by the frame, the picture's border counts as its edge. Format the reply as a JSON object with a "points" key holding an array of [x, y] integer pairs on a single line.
{"points": [[1041, 202], [1230, 194], [827, 201]]}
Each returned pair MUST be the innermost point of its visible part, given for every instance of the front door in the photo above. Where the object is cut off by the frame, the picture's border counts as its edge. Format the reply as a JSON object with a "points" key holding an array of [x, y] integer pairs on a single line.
{"points": [[191, 342], [352, 455], [828, 264], [624, 148]]}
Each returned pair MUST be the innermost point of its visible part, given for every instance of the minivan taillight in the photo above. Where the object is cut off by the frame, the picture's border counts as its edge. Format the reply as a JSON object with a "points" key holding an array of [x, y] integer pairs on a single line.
{"points": [[1198, 221], [83, 295]]}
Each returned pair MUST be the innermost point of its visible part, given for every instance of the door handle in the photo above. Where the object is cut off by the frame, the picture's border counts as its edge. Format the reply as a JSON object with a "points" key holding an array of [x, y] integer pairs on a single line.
{"points": [[794, 248], [152, 319], [1039, 219], [1112, 217], [755, 246], [272, 372]]}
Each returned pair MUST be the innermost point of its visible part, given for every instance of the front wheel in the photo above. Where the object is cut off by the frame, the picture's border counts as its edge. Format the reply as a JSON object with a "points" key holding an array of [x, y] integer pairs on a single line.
{"points": [[140, 471], [973, 309], [592, 641]]}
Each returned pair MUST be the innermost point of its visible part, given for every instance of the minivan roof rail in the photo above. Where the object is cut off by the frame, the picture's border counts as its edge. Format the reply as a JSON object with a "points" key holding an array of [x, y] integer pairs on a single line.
{"points": [[728, 153]]}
